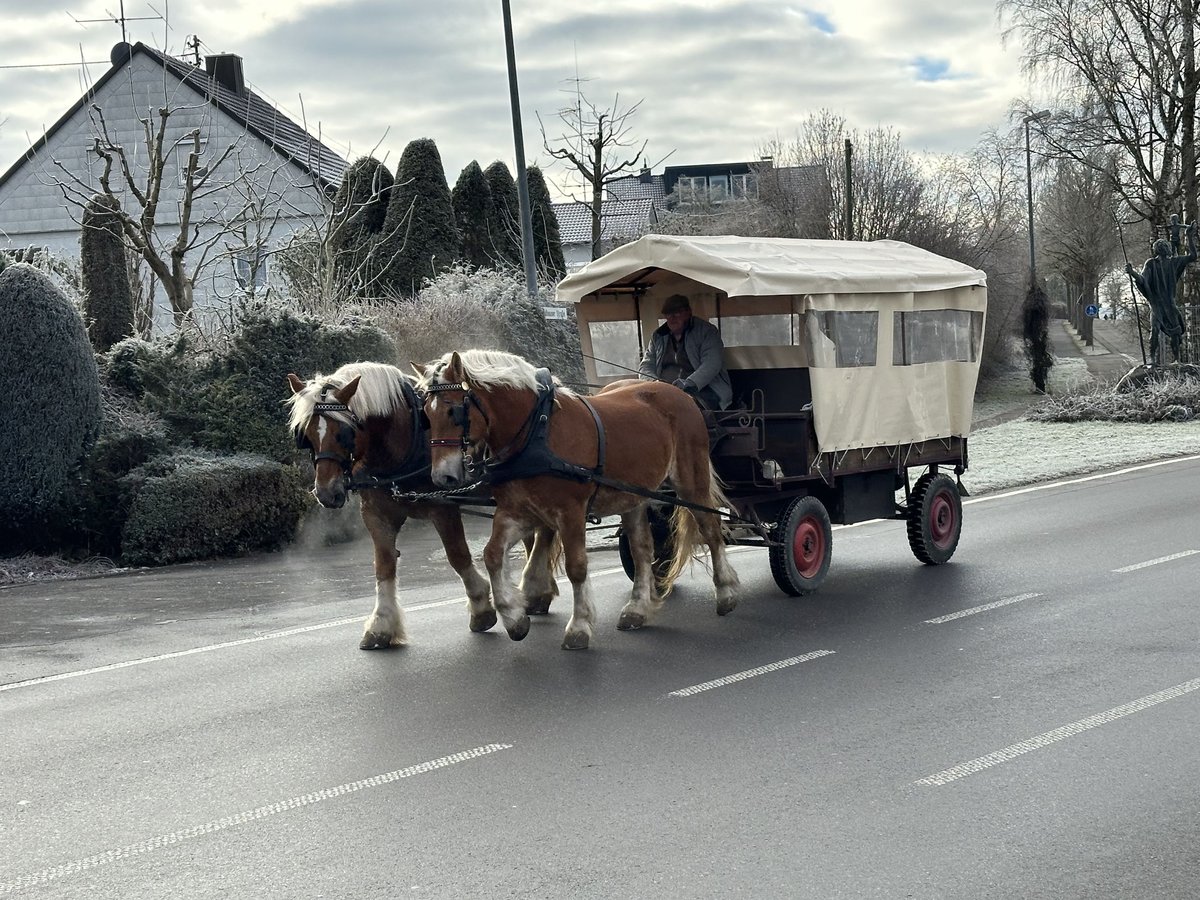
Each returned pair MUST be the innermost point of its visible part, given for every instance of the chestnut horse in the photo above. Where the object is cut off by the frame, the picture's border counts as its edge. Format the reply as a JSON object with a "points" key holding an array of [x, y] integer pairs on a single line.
{"points": [[541, 447], [364, 423]]}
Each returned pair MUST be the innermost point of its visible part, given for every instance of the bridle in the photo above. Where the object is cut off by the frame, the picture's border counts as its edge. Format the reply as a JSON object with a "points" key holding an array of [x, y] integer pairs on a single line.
{"points": [[460, 415], [345, 435]]}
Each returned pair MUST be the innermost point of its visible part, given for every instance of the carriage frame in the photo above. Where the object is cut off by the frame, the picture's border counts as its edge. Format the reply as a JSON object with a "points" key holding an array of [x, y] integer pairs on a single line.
{"points": [[853, 365]]}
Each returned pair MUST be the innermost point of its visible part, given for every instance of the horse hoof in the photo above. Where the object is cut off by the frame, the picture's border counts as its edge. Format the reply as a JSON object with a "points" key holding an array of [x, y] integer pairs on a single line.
{"points": [[374, 640], [725, 607], [538, 606], [630, 621], [483, 621], [518, 631], [577, 640]]}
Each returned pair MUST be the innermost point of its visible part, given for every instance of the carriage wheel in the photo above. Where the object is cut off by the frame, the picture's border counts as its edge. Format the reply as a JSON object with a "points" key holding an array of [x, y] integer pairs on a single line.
{"points": [[803, 547], [664, 544], [934, 518]]}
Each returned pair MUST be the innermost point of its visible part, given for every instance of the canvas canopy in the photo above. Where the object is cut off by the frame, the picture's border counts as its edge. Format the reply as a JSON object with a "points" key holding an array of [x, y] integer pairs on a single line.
{"points": [[764, 267], [886, 335]]}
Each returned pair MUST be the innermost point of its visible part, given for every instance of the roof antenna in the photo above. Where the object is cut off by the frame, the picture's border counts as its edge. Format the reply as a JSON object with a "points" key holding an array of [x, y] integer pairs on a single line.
{"points": [[121, 20]]}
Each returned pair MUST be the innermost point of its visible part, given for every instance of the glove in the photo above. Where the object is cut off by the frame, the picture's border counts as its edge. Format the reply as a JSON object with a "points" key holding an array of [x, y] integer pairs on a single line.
{"points": [[680, 383]]}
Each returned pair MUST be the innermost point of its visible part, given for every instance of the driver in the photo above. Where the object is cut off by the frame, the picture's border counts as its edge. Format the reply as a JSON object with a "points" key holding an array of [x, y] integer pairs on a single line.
{"points": [[687, 351]]}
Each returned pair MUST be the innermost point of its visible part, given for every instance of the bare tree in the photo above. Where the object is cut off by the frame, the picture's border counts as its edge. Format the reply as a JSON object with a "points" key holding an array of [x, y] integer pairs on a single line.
{"points": [[1126, 70], [596, 141]]}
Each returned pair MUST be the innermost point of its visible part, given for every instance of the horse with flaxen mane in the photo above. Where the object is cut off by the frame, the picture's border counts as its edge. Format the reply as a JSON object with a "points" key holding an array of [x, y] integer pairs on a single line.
{"points": [[365, 427], [554, 458]]}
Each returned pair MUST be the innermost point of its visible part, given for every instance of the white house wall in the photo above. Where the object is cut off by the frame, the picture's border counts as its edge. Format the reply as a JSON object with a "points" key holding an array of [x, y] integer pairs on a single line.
{"points": [[34, 212]]}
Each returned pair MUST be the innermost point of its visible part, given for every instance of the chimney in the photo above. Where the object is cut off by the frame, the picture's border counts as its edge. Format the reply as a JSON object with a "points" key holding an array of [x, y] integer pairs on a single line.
{"points": [[644, 175], [226, 69]]}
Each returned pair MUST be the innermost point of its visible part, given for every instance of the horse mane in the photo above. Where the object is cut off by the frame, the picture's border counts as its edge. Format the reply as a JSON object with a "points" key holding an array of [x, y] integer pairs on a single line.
{"points": [[380, 392], [491, 369]]}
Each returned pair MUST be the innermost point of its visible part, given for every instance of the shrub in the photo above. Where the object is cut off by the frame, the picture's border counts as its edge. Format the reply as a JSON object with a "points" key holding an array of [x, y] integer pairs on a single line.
{"points": [[233, 400], [472, 202], [107, 299], [194, 505], [547, 242], [50, 404], [1168, 396], [420, 238]]}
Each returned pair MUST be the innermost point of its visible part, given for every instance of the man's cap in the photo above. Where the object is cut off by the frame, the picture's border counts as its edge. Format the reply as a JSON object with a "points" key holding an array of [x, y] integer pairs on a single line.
{"points": [[675, 303]]}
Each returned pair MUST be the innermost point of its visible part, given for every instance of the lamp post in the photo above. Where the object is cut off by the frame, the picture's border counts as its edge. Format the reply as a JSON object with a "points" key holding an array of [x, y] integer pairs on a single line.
{"points": [[519, 142], [1035, 117]]}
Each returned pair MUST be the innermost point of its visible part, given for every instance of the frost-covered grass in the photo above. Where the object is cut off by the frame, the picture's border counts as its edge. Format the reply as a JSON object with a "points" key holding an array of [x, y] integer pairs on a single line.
{"points": [[1169, 397]]}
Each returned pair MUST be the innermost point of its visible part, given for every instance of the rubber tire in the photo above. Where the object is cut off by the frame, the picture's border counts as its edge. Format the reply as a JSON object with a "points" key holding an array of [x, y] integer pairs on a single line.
{"points": [[804, 536], [664, 544], [934, 519]]}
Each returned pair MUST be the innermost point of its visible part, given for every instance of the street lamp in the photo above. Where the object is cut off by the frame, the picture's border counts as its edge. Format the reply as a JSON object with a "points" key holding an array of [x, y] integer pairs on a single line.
{"points": [[1034, 117]]}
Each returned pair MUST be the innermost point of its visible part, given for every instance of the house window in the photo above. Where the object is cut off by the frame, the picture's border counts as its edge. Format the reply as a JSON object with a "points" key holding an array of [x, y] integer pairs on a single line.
{"points": [[250, 269], [936, 335], [843, 339], [718, 188], [692, 190], [182, 150], [745, 187]]}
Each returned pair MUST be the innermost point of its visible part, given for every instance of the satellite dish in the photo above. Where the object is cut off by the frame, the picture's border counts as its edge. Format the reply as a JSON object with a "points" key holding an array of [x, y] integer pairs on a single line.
{"points": [[121, 53]]}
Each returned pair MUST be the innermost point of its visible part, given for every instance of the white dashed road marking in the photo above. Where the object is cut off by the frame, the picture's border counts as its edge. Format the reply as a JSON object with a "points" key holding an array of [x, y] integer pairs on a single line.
{"points": [[978, 609], [1058, 734], [749, 673], [262, 812], [1154, 562]]}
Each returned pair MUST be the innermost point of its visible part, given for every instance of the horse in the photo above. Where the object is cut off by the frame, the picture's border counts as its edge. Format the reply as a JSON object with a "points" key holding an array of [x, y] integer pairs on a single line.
{"points": [[364, 425], [553, 459]]}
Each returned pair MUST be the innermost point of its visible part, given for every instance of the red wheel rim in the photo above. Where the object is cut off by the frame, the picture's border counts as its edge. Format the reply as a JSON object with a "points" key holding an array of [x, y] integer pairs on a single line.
{"points": [[942, 520], [808, 546]]}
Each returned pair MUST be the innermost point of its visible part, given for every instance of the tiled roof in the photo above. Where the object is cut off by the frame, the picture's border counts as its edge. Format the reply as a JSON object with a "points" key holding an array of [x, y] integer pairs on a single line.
{"points": [[259, 116], [632, 187], [618, 218], [263, 118]]}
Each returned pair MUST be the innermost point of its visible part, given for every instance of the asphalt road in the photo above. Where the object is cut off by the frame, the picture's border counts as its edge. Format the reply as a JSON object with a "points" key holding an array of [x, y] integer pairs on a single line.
{"points": [[1020, 723]]}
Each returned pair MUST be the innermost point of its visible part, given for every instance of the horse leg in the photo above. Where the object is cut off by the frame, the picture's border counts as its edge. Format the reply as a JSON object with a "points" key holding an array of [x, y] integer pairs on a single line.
{"points": [[506, 531], [538, 585], [583, 615], [449, 525], [385, 626], [725, 578], [644, 599]]}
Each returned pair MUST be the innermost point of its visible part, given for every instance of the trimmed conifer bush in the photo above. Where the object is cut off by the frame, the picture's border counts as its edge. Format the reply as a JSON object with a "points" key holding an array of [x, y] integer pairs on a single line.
{"points": [[472, 203], [547, 242], [195, 505], [359, 210], [107, 299], [420, 238], [504, 218], [50, 404]]}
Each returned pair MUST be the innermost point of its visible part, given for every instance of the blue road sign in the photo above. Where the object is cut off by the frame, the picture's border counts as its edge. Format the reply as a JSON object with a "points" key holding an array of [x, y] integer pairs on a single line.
{"points": [[1092, 310]]}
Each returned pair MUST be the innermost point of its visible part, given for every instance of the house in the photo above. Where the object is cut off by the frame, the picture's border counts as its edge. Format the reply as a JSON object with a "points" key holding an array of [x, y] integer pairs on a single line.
{"points": [[264, 176], [635, 203]]}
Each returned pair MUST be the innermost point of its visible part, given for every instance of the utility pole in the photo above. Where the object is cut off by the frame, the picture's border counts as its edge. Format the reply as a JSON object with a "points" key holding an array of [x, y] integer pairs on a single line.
{"points": [[849, 229], [519, 142]]}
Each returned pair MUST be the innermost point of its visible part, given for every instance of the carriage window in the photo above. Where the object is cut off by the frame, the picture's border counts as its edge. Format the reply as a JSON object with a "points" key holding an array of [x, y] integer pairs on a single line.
{"points": [[936, 335], [843, 339], [615, 347], [758, 331]]}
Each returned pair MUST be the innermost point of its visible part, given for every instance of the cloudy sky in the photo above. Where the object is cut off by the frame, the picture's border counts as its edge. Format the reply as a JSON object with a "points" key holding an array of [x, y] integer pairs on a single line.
{"points": [[716, 78]]}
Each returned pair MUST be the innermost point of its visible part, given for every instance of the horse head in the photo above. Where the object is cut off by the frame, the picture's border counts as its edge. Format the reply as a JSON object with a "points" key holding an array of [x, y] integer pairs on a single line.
{"points": [[325, 425]]}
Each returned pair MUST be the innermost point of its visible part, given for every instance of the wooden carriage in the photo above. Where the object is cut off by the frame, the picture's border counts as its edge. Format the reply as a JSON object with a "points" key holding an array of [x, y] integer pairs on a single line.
{"points": [[852, 364]]}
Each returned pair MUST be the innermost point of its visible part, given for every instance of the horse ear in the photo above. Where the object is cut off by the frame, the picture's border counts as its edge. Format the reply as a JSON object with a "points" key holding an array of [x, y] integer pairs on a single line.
{"points": [[418, 368], [295, 382], [344, 394]]}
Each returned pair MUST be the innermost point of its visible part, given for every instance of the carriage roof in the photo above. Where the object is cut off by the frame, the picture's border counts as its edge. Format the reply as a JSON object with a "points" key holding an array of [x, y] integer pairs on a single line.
{"points": [[772, 267]]}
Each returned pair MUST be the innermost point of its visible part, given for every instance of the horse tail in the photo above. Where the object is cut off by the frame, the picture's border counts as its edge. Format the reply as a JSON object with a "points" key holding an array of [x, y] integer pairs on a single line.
{"points": [[685, 531]]}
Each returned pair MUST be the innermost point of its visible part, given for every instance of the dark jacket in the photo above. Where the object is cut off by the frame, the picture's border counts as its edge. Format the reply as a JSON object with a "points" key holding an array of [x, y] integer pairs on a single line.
{"points": [[702, 343]]}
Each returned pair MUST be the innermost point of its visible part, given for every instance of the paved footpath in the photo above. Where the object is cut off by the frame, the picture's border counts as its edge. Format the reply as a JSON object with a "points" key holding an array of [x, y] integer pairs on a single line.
{"points": [[1114, 350]]}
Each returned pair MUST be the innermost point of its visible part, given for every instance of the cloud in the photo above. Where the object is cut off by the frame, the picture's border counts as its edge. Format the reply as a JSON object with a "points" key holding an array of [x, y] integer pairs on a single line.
{"points": [[716, 78]]}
